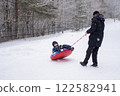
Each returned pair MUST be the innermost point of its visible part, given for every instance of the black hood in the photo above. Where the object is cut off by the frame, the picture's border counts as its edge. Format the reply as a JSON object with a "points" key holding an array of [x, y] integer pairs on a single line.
{"points": [[100, 17], [54, 42]]}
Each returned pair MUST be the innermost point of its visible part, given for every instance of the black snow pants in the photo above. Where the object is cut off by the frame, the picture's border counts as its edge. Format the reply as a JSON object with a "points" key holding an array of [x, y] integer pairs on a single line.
{"points": [[94, 52]]}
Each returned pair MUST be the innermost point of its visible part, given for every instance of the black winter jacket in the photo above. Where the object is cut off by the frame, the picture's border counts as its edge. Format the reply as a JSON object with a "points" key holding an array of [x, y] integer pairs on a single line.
{"points": [[96, 31]]}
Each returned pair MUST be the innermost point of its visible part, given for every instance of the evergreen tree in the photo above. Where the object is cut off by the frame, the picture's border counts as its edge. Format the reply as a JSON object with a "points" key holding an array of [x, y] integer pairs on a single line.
{"points": [[80, 18], [45, 9]]}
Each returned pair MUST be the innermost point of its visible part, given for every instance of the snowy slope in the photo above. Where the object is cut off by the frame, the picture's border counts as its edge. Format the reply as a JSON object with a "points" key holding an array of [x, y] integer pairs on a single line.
{"points": [[30, 58]]}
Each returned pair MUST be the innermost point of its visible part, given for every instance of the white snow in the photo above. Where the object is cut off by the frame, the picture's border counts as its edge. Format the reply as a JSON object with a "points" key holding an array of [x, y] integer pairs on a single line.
{"points": [[29, 59]]}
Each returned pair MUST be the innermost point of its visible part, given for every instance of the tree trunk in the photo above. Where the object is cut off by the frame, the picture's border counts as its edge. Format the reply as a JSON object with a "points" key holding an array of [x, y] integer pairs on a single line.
{"points": [[6, 21], [33, 24], [16, 19]]}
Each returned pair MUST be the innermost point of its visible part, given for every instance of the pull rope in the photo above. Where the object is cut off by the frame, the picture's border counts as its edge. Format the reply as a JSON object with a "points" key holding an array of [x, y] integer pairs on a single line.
{"points": [[79, 39]]}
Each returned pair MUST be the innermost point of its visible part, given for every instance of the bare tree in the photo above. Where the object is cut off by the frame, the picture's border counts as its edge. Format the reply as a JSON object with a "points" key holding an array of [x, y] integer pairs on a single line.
{"points": [[31, 18]]}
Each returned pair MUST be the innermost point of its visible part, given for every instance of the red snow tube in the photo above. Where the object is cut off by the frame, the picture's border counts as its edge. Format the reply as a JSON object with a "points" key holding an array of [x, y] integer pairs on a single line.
{"points": [[61, 54]]}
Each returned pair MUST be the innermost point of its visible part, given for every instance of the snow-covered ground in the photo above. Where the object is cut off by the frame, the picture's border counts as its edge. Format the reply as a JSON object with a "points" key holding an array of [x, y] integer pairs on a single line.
{"points": [[29, 59]]}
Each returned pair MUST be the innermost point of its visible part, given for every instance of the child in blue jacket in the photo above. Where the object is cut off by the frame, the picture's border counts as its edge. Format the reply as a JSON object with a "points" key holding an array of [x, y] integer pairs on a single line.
{"points": [[57, 48]]}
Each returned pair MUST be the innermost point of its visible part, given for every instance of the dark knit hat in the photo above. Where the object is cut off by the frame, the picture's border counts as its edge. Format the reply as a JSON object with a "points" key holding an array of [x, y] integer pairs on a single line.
{"points": [[96, 12], [54, 42]]}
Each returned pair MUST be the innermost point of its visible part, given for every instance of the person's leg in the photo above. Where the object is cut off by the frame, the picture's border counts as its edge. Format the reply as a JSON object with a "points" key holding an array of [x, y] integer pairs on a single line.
{"points": [[68, 47], [88, 54], [94, 56]]}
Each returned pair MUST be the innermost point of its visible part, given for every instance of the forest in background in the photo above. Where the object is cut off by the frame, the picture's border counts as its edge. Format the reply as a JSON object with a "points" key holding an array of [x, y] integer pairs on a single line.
{"points": [[32, 18]]}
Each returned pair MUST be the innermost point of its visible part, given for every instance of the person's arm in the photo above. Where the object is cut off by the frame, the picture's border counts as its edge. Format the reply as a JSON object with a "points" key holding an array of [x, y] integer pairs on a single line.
{"points": [[57, 48], [93, 27], [53, 50]]}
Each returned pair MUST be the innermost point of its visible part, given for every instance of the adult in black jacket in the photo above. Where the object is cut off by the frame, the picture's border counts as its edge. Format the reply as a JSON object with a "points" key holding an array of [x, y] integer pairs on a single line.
{"points": [[95, 39]]}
